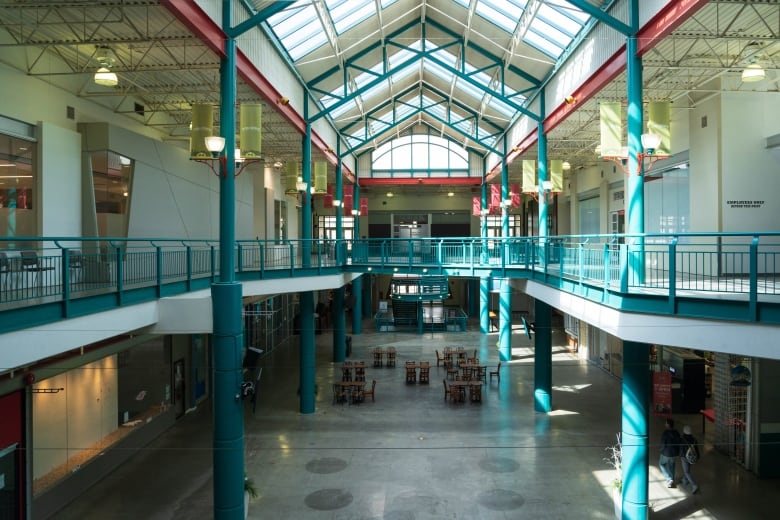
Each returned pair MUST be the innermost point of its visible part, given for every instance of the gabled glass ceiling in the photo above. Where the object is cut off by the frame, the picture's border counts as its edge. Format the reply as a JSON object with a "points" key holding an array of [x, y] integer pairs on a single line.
{"points": [[549, 26]]}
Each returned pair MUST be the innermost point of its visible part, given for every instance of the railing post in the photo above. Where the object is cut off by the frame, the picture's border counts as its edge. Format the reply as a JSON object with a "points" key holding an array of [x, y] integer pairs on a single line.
{"points": [[239, 258], [607, 270], [623, 252], [65, 279], [189, 268], [120, 274], [261, 248], [159, 259], [213, 262], [673, 276], [753, 306]]}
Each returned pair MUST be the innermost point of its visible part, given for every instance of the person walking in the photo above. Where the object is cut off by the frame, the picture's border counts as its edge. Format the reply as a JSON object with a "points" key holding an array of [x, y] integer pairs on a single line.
{"points": [[670, 450], [689, 455]]}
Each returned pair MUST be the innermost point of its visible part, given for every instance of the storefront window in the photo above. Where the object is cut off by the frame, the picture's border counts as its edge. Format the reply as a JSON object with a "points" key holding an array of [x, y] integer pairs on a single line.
{"points": [[17, 181], [79, 414], [112, 176]]}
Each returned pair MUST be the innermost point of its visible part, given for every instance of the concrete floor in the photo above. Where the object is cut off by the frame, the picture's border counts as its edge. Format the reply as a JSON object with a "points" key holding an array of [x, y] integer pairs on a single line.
{"points": [[411, 455]]}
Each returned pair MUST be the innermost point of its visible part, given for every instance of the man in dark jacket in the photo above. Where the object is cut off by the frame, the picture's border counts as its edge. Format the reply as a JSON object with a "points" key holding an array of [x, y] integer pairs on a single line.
{"points": [[670, 450]]}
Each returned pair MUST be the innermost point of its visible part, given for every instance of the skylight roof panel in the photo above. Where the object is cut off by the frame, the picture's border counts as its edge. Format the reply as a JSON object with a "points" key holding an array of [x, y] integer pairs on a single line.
{"points": [[500, 106], [493, 15], [379, 87], [551, 33], [386, 3], [402, 55], [314, 40], [288, 23], [401, 111], [558, 18], [346, 107], [364, 78], [348, 13], [468, 88], [436, 69], [542, 44]]}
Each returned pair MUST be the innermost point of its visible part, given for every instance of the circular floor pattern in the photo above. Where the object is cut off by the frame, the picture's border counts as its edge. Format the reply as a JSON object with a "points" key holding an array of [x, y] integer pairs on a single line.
{"points": [[500, 500], [328, 499], [326, 465], [499, 465]]}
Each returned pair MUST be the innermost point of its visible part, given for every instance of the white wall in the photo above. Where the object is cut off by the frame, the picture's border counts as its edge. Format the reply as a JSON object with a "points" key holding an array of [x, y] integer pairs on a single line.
{"points": [[750, 173], [60, 181]]}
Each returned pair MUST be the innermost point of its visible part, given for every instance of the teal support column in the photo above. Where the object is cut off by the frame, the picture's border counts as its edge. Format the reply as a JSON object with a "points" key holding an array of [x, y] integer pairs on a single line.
{"points": [[357, 314], [307, 373], [505, 321], [635, 429], [473, 297], [484, 257], [228, 341], [339, 320], [339, 327], [542, 357], [504, 199], [484, 305], [636, 181], [307, 198], [544, 224], [367, 281]]}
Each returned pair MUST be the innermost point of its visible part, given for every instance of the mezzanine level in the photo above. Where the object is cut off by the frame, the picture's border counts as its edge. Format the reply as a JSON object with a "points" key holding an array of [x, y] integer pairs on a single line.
{"points": [[722, 276]]}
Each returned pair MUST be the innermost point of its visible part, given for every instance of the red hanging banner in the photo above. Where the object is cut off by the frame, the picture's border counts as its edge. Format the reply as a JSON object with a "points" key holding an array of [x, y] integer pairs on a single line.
{"points": [[476, 206], [327, 200], [495, 196], [662, 394], [363, 206], [348, 199], [515, 195]]}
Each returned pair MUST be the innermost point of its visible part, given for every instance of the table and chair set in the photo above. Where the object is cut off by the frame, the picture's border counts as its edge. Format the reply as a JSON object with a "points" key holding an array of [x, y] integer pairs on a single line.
{"points": [[465, 375], [352, 387]]}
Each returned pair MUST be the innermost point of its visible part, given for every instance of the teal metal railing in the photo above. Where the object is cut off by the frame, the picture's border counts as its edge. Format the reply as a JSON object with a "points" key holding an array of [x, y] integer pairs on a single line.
{"points": [[743, 267]]}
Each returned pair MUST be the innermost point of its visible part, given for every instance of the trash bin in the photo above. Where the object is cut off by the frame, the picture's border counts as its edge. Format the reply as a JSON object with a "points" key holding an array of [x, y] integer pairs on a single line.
{"points": [[349, 346]]}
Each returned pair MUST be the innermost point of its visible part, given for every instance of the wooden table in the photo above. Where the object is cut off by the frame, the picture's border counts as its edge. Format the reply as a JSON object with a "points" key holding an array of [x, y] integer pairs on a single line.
{"points": [[481, 369], [350, 387], [465, 384]]}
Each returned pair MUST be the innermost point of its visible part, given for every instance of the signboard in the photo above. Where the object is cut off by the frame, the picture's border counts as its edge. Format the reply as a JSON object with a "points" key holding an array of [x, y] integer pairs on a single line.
{"points": [[662, 394]]}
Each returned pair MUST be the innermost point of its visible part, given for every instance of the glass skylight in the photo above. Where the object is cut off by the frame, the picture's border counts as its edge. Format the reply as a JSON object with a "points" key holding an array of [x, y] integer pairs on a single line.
{"points": [[299, 29], [348, 13]]}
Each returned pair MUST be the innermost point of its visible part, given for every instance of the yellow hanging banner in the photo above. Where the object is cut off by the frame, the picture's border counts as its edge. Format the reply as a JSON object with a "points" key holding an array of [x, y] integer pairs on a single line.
{"points": [[202, 126], [291, 177], [250, 132], [556, 175], [529, 176], [320, 177], [611, 128]]}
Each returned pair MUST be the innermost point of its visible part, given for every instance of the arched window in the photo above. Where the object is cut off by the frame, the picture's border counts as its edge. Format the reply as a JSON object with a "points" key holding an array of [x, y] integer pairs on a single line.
{"points": [[420, 156]]}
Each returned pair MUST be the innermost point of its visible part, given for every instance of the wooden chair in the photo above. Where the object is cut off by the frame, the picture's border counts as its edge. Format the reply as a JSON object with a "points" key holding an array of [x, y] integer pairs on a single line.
{"points": [[480, 373], [357, 394], [440, 359], [370, 392], [411, 373], [447, 390], [425, 371], [339, 394], [458, 393], [496, 372], [452, 371], [474, 358], [391, 358], [475, 393], [346, 373], [377, 358], [360, 374]]}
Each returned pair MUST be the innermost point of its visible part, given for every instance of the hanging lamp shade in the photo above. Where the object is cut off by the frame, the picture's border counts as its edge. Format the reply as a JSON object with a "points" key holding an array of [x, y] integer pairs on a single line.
{"points": [[659, 115], [291, 178], [529, 176], [611, 125], [106, 78], [250, 132], [556, 175], [202, 127], [320, 177]]}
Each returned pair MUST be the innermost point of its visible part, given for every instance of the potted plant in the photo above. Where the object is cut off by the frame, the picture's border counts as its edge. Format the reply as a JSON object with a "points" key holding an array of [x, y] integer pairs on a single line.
{"points": [[614, 459], [250, 491]]}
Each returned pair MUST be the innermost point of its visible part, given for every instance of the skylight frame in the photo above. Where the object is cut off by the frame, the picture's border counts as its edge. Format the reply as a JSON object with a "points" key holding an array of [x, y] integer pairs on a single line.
{"points": [[346, 14]]}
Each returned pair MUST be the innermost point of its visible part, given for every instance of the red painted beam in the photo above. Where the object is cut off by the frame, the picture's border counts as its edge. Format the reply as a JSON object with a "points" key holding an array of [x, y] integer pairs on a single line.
{"points": [[202, 26], [427, 181]]}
